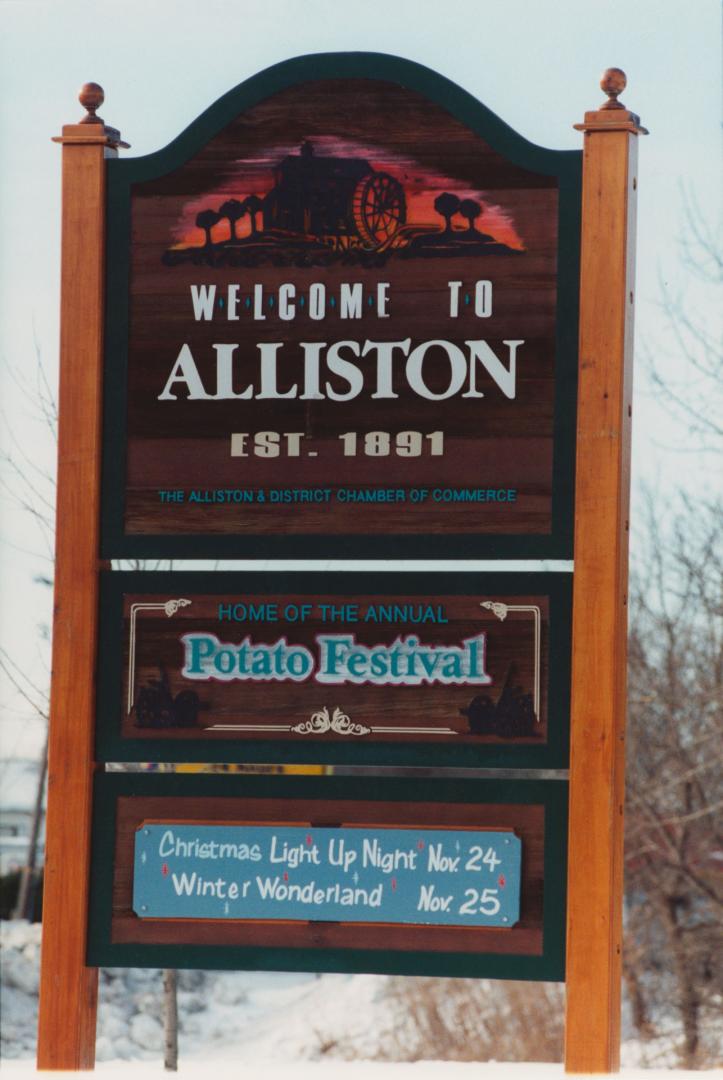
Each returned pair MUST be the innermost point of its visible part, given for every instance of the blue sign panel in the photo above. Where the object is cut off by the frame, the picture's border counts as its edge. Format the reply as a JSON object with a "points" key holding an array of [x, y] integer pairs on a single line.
{"points": [[445, 877]]}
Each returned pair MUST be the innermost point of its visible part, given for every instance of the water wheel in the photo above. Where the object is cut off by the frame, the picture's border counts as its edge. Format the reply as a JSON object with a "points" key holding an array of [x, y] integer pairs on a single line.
{"points": [[379, 209]]}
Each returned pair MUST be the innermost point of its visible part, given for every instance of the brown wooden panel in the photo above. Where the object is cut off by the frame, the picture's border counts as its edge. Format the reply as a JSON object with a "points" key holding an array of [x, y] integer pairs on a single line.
{"points": [[305, 155], [523, 939], [157, 700]]}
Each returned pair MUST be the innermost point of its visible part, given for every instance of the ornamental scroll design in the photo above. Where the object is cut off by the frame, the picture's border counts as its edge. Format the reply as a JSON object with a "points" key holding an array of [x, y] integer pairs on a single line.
{"points": [[320, 722], [169, 607], [498, 609]]}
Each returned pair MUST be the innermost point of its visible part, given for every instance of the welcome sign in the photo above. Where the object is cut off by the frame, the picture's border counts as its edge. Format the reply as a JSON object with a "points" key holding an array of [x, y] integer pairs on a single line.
{"points": [[338, 317], [342, 319], [335, 667]]}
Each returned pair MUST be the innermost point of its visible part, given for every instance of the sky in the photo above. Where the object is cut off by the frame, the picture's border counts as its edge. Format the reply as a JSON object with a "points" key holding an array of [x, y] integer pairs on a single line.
{"points": [[162, 63]]}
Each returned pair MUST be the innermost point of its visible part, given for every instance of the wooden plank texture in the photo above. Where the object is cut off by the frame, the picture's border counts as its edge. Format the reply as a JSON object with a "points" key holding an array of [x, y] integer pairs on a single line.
{"points": [[68, 989], [527, 821], [600, 595], [463, 713], [492, 442]]}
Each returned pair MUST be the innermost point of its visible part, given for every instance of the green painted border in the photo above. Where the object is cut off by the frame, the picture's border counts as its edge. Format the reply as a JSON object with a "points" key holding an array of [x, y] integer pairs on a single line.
{"points": [[548, 967], [110, 746], [122, 174]]}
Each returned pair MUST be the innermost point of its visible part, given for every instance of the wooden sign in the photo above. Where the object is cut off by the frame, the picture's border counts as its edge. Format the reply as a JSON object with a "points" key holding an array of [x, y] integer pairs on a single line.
{"points": [[412, 874], [338, 316], [436, 669], [342, 319]]}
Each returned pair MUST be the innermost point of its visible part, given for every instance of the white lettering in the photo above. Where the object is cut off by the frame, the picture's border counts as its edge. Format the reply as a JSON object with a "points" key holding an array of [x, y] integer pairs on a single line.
{"points": [[287, 310], [504, 377], [203, 298], [350, 301], [345, 370], [385, 353], [432, 377], [232, 303], [269, 389], [458, 370], [184, 371], [224, 374]]}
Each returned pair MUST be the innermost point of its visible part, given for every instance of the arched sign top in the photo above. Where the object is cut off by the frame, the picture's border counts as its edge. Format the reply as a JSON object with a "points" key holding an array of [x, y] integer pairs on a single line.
{"points": [[381, 67], [341, 322]]}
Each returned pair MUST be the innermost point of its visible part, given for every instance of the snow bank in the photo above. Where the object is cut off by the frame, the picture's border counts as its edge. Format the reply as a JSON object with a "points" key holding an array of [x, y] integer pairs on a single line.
{"points": [[19, 968], [293, 1026], [351, 1070]]}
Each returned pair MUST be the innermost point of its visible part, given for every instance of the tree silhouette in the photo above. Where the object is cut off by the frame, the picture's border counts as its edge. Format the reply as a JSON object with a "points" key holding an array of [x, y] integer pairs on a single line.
{"points": [[470, 209], [447, 206], [233, 210], [206, 221], [253, 205]]}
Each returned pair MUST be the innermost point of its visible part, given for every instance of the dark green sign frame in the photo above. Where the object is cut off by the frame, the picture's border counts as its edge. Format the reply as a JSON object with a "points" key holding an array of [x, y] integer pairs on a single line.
{"points": [[112, 746], [550, 966], [566, 165]]}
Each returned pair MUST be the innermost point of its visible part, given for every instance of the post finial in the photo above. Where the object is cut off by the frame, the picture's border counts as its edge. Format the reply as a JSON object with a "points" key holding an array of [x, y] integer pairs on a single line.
{"points": [[91, 96], [613, 82], [612, 115]]}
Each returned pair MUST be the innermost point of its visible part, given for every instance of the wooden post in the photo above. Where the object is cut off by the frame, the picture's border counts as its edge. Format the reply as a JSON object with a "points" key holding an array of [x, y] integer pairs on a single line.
{"points": [[68, 989], [597, 754]]}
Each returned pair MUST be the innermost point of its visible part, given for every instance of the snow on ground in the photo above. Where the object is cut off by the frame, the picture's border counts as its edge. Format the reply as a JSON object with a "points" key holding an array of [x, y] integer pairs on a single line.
{"points": [[346, 1070], [286, 1026]]}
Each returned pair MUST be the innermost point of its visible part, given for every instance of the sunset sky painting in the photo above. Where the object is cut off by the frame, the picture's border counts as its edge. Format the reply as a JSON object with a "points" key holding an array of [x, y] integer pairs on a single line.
{"points": [[255, 176]]}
